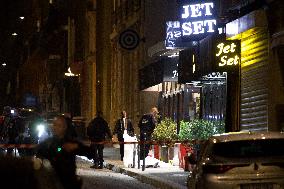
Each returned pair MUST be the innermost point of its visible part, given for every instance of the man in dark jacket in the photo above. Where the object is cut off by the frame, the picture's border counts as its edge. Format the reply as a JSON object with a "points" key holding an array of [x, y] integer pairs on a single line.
{"points": [[71, 130], [123, 124], [147, 125], [61, 152], [97, 131]]}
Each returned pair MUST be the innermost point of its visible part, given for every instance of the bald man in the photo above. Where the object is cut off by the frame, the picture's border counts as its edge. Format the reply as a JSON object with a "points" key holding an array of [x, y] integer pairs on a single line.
{"points": [[147, 125]]}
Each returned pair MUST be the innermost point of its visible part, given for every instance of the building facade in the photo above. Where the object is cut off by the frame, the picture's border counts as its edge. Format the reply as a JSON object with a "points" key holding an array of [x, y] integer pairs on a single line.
{"points": [[129, 79]]}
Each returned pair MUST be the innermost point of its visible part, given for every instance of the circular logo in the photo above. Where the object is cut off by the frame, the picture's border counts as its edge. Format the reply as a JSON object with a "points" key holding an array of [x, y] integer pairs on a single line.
{"points": [[129, 39]]}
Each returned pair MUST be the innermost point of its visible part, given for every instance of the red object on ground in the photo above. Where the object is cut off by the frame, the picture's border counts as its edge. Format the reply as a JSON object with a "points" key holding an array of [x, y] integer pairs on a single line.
{"points": [[156, 152], [182, 153]]}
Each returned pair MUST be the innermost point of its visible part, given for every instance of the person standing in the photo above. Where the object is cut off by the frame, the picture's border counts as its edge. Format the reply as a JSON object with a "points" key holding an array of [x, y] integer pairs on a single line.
{"points": [[61, 151], [71, 128], [123, 124], [147, 125], [97, 131]]}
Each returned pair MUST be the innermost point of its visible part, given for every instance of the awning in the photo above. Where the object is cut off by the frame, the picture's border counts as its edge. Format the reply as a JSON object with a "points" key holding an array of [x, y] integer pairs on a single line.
{"points": [[162, 70]]}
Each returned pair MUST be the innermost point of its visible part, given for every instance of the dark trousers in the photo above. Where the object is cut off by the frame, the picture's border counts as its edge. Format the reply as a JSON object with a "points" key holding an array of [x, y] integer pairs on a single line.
{"points": [[98, 150], [121, 149], [145, 147]]}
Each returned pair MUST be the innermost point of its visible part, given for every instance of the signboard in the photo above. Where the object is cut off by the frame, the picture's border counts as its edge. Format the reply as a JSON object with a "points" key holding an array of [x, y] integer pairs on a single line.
{"points": [[227, 55], [170, 69], [129, 39], [173, 38], [189, 66], [197, 19]]}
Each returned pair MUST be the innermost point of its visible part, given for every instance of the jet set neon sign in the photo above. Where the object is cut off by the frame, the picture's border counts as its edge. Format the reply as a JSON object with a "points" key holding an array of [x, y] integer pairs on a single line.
{"points": [[198, 19], [228, 54]]}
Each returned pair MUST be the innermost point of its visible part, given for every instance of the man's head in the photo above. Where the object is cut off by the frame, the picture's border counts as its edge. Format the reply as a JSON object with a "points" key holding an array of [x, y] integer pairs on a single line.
{"points": [[154, 111], [59, 126], [123, 114]]}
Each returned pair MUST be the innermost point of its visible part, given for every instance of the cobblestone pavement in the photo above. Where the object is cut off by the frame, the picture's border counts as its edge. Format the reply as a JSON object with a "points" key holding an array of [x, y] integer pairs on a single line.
{"points": [[106, 179]]}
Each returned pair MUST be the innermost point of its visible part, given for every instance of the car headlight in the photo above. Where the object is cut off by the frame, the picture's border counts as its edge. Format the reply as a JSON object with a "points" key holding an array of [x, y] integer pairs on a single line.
{"points": [[40, 128]]}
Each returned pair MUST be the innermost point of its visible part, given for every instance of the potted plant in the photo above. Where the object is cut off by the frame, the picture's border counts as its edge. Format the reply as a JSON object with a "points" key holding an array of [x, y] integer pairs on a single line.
{"points": [[165, 133], [195, 131]]}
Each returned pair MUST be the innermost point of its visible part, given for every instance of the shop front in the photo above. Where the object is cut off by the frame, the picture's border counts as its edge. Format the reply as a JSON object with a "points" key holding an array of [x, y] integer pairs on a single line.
{"points": [[251, 29]]}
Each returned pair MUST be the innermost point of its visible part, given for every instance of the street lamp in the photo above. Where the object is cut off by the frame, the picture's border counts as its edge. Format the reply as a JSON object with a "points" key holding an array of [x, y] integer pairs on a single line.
{"points": [[4, 64], [22, 17], [14, 34]]}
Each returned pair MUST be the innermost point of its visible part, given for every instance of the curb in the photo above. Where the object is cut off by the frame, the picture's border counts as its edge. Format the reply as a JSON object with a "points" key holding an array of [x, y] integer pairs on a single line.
{"points": [[152, 180]]}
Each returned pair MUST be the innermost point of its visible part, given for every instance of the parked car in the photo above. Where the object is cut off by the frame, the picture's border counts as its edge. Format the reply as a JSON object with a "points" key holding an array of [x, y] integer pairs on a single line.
{"points": [[35, 129], [247, 160]]}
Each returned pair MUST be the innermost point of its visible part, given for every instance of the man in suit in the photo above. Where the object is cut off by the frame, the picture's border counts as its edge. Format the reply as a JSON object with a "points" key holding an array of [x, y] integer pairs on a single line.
{"points": [[123, 124]]}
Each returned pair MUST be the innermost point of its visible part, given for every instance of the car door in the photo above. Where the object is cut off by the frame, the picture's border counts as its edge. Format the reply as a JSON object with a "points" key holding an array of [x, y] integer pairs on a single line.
{"points": [[194, 180]]}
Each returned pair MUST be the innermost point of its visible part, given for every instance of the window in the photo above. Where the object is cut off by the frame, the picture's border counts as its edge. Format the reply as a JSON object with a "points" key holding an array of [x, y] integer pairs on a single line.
{"points": [[250, 148]]}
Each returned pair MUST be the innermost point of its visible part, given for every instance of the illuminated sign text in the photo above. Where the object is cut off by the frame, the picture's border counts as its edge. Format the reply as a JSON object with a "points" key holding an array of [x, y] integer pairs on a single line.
{"points": [[198, 20], [228, 53]]}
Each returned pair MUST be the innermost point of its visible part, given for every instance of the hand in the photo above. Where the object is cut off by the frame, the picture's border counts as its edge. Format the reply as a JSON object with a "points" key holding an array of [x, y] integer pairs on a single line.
{"points": [[37, 163], [70, 147]]}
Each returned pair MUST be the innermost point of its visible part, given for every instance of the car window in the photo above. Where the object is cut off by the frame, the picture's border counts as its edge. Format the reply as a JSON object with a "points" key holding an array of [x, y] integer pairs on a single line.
{"points": [[249, 148]]}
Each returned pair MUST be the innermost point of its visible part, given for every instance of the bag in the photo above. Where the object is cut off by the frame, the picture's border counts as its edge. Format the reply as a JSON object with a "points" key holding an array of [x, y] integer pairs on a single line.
{"points": [[115, 139]]}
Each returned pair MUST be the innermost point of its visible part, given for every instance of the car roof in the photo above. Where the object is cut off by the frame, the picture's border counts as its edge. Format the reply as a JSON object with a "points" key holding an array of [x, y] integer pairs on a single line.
{"points": [[246, 135]]}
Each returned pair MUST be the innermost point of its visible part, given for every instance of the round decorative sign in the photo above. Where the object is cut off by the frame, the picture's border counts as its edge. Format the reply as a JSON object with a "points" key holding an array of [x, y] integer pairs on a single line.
{"points": [[129, 39]]}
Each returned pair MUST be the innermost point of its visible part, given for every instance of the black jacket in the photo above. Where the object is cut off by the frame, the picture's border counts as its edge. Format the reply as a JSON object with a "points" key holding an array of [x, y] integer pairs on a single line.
{"points": [[119, 129], [63, 162], [71, 130], [98, 129], [147, 124]]}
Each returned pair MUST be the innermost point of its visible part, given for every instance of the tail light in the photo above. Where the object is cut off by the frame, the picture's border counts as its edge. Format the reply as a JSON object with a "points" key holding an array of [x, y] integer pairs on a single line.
{"points": [[278, 164], [219, 169]]}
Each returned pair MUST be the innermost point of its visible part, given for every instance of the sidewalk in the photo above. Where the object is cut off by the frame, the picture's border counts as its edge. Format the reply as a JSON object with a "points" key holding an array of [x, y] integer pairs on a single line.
{"points": [[165, 177]]}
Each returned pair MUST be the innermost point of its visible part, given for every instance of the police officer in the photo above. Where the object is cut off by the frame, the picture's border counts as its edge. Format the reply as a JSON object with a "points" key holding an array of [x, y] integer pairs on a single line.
{"points": [[97, 131], [61, 151], [147, 125]]}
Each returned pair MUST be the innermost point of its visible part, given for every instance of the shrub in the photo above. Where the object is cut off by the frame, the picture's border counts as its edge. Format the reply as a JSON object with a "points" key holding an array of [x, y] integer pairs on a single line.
{"points": [[200, 129], [166, 131]]}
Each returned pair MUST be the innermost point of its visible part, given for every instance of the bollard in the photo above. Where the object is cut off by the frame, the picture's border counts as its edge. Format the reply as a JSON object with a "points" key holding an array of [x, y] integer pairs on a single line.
{"points": [[144, 152], [138, 153], [134, 154]]}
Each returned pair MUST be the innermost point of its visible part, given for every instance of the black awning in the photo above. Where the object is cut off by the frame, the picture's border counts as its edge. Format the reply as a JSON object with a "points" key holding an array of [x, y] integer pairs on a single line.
{"points": [[164, 69]]}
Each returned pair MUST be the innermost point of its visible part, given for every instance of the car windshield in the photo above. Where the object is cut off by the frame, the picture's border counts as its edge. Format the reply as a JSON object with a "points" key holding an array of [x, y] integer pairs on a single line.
{"points": [[28, 114], [249, 148]]}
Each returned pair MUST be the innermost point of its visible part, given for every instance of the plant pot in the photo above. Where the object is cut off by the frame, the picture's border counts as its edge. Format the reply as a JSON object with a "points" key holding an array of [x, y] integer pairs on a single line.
{"points": [[171, 153], [182, 154], [164, 154], [156, 151]]}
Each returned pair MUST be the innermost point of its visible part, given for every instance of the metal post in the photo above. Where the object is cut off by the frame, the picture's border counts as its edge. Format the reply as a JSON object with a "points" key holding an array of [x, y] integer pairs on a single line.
{"points": [[138, 153], [134, 154], [144, 152]]}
